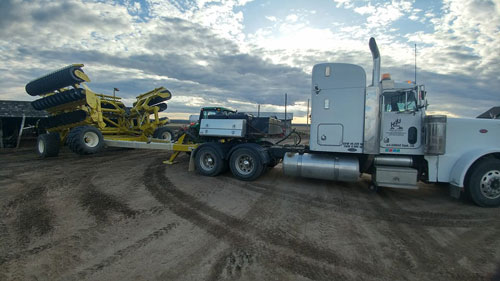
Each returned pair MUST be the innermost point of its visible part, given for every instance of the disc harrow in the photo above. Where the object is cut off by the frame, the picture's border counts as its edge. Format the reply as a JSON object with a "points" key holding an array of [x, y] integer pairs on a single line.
{"points": [[72, 104]]}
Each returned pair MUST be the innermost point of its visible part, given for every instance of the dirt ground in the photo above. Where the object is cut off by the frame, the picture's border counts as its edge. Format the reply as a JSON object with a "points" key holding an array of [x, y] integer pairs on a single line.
{"points": [[124, 215]]}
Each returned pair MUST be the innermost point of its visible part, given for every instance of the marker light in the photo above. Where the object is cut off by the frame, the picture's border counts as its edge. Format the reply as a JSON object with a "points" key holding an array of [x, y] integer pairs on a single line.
{"points": [[386, 76]]}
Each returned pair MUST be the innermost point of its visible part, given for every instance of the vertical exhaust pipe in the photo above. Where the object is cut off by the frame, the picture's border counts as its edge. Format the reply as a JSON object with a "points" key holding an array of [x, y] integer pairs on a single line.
{"points": [[376, 61]]}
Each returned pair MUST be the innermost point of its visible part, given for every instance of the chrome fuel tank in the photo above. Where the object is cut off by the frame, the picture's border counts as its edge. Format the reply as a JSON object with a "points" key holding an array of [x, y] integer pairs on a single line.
{"points": [[320, 166]]}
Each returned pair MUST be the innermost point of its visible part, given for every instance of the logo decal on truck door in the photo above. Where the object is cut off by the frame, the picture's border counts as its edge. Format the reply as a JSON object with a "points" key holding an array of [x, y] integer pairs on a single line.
{"points": [[396, 125]]}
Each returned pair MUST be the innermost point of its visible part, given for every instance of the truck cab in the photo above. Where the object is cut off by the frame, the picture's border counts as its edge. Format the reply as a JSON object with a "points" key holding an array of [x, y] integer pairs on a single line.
{"points": [[402, 115]]}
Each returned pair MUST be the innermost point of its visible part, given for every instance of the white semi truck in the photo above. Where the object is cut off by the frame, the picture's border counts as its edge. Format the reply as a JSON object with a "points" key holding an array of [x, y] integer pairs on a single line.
{"points": [[380, 129]]}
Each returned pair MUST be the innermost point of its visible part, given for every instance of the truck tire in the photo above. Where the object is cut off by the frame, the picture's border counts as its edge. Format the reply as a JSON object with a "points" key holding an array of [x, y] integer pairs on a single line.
{"points": [[47, 145], [208, 162], [85, 140], [164, 133], [246, 164], [484, 183]]}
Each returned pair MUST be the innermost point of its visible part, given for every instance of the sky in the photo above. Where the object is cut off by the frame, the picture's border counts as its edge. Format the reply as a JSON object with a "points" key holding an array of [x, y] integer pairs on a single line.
{"points": [[241, 53]]}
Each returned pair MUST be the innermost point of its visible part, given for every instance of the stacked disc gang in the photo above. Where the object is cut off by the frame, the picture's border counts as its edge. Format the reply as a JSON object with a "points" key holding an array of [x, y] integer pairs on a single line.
{"points": [[158, 100], [55, 84]]}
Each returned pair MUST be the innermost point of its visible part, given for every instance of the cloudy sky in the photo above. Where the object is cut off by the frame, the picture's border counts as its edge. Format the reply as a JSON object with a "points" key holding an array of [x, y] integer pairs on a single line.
{"points": [[240, 53]]}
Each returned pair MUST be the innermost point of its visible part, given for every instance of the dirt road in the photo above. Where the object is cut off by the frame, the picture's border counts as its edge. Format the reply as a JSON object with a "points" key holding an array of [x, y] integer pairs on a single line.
{"points": [[124, 215]]}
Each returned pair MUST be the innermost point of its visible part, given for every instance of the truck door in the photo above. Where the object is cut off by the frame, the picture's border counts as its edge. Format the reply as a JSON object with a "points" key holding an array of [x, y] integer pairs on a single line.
{"points": [[401, 128]]}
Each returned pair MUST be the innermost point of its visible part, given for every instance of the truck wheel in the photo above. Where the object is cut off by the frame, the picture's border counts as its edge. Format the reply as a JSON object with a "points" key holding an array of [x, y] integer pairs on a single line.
{"points": [[85, 140], [164, 133], [47, 145], [245, 164], [208, 162], [484, 183]]}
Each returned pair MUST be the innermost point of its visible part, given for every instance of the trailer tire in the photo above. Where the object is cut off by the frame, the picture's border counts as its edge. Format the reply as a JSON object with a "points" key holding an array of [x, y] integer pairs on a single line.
{"points": [[483, 184], [246, 164], [85, 140], [208, 162], [164, 133], [47, 145]]}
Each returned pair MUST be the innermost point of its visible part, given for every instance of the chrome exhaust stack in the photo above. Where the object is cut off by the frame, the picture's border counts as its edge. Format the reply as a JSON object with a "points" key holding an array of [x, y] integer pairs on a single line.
{"points": [[376, 61]]}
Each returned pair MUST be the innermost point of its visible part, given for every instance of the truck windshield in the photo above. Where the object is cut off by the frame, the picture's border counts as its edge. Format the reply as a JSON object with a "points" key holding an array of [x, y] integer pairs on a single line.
{"points": [[400, 101]]}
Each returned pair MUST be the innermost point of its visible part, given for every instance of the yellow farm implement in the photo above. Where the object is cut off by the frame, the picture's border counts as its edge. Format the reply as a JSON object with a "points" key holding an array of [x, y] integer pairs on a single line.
{"points": [[86, 121]]}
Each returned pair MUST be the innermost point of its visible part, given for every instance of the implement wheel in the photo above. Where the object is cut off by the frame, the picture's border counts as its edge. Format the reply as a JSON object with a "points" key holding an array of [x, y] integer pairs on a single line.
{"points": [[164, 133], [85, 140], [484, 183], [208, 162], [245, 164], [47, 145]]}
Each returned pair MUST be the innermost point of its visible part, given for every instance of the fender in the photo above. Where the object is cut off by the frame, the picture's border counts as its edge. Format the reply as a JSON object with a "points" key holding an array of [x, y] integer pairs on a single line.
{"points": [[264, 155], [460, 168]]}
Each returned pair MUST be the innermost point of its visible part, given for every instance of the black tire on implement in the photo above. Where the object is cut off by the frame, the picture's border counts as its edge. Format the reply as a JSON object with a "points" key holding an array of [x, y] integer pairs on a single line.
{"points": [[47, 145], [85, 140], [164, 133], [483, 185]]}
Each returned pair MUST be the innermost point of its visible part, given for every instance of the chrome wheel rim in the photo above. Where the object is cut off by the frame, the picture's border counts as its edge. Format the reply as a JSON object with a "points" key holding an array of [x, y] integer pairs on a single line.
{"points": [[41, 146], [166, 136], [244, 164], [91, 139], [207, 161], [490, 184]]}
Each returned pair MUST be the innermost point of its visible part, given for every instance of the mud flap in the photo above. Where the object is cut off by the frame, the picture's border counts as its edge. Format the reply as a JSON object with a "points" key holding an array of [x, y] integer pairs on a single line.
{"points": [[455, 191], [191, 162]]}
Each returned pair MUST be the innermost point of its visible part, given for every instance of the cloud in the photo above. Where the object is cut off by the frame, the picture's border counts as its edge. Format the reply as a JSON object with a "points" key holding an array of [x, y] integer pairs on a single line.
{"points": [[381, 15], [202, 51], [187, 57]]}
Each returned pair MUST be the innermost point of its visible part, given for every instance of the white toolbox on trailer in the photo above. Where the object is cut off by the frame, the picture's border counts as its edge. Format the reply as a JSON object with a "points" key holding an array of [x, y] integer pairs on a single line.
{"points": [[235, 128]]}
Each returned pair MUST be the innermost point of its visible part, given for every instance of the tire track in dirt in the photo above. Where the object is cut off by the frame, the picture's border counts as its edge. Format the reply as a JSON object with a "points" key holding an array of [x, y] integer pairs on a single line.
{"points": [[421, 253], [358, 208], [120, 254], [81, 235], [34, 218], [30, 218], [231, 263], [479, 239], [99, 204], [236, 231]]}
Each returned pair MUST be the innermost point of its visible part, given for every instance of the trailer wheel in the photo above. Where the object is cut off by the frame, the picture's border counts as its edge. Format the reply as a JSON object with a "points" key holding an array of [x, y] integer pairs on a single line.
{"points": [[47, 145], [208, 162], [484, 183], [164, 133], [245, 164], [85, 140]]}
